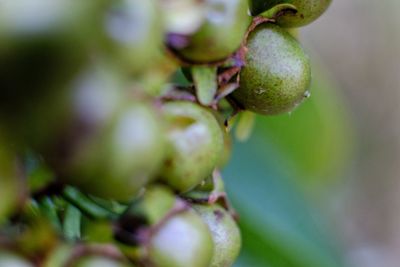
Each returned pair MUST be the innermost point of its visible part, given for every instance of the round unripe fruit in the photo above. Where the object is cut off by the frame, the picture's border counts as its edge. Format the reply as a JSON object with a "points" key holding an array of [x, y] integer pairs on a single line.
{"points": [[43, 44], [63, 255], [99, 261], [134, 33], [183, 240], [178, 236], [121, 158], [8, 259], [111, 146], [225, 233], [307, 11], [277, 73], [196, 143], [220, 34], [58, 256]]}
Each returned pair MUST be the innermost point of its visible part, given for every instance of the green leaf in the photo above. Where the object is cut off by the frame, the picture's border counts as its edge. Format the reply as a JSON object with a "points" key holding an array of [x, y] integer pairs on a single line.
{"points": [[269, 175], [72, 223], [205, 82], [317, 138], [85, 204], [49, 210], [279, 227]]}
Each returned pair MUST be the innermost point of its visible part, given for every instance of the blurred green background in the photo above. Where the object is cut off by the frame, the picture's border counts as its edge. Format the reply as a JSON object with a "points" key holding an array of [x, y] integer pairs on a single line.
{"points": [[320, 186]]}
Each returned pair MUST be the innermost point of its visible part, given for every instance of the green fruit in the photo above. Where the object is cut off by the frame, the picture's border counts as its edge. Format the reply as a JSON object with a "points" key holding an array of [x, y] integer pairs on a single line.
{"points": [[8, 259], [151, 208], [146, 211], [63, 254], [220, 34], [307, 11], [178, 237], [43, 44], [121, 157], [182, 241], [196, 143], [97, 231], [134, 33], [111, 146], [277, 73], [225, 233], [90, 100], [99, 261], [58, 256]]}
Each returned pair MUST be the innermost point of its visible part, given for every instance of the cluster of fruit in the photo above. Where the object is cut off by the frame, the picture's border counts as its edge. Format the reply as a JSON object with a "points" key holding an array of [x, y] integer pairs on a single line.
{"points": [[114, 119]]}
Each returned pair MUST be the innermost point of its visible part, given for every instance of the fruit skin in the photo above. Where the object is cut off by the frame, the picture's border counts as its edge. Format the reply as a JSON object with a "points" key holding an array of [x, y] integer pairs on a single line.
{"points": [[111, 146], [178, 236], [221, 33], [225, 233], [8, 259], [58, 256], [120, 158], [43, 44], [184, 240], [277, 73], [63, 253], [99, 261], [196, 143], [134, 33], [307, 11]]}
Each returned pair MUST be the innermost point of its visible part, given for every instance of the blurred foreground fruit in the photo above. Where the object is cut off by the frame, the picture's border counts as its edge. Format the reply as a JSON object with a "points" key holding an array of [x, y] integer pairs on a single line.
{"points": [[8, 259], [43, 44], [134, 33], [111, 146], [94, 255]]}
